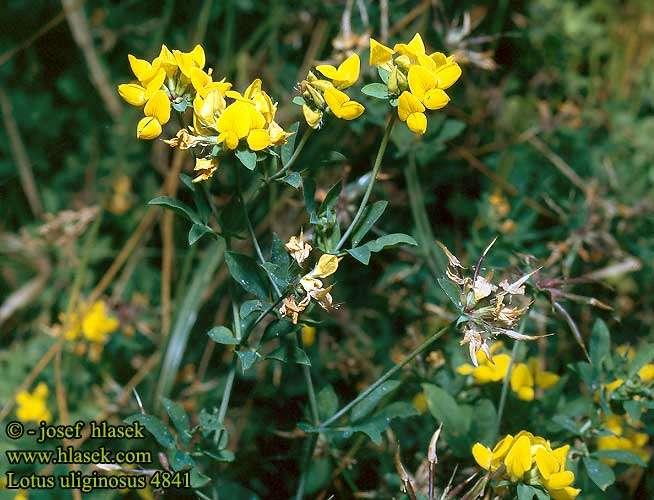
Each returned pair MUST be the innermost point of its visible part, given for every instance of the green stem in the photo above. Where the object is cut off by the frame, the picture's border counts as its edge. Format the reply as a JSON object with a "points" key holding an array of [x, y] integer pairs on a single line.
{"points": [[294, 156], [227, 392], [418, 350], [308, 453], [373, 176]]}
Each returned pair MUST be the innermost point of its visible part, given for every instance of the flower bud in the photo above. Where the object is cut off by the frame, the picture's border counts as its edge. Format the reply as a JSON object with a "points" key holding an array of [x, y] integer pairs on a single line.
{"points": [[403, 62]]}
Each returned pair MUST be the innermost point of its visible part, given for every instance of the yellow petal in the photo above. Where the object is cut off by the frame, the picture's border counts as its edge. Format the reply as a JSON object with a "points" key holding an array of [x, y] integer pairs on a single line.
{"points": [[312, 117], [379, 53], [465, 369], [407, 104], [547, 463], [237, 119], [148, 128], [229, 138], [421, 80], [560, 480], [482, 455], [258, 139], [545, 379], [521, 377], [335, 99], [167, 60], [351, 110], [155, 83], [518, 459], [417, 44], [41, 390], [447, 75], [158, 106], [253, 89], [132, 93], [141, 68], [326, 266], [328, 70], [439, 58], [349, 71], [417, 123], [561, 455], [502, 447], [308, 335], [199, 79], [197, 54], [435, 99]]}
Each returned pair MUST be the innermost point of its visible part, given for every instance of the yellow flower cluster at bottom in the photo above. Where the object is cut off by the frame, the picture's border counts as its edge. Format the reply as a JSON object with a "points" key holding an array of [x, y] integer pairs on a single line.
{"points": [[529, 459]]}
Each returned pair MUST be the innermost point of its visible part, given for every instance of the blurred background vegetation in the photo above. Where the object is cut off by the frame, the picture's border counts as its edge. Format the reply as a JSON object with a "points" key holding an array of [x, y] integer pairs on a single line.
{"points": [[547, 143]]}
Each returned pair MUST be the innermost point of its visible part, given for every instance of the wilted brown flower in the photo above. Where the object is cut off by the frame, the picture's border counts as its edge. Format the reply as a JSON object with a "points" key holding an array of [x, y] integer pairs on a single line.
{"points": [[292, 309], [298, 248]]}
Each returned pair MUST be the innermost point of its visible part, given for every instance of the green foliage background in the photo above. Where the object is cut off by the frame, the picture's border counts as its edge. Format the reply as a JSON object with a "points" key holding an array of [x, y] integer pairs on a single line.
{"points": [[561, 128]]}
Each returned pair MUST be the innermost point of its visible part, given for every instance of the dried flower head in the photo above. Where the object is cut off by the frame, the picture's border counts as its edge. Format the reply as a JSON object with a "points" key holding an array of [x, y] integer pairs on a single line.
{"points": [[298, 247]]}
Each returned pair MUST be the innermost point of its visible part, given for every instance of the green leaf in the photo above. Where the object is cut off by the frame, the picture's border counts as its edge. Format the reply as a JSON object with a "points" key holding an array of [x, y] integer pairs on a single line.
{"points": [[633, 409], [222, 335], [362, 253], [383, 73], [182, 460], [277, 329], [247, 273], [155, 427], [178, 206], [179, 419], [248, 359], [371, 215], [601, 474], [197, 231], [452, 291], [198, 480], [250, 306], [366, 407], [318, 475], [331, 198], [600, 343], [247, 157], [299, 100], [568, 424], [209, 423], [278, 253], [374, 426], [527, 492], [278, 274], [309, 188], [327, 402], [644, 354], [187, 181], [378, 90], [288, 148], [293, 179], [624, 457], [446, 410]]}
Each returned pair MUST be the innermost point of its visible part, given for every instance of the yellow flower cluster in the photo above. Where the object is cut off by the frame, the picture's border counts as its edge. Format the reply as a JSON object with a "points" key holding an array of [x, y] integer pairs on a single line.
{"points": [[250, 117], [33, 407], [320, 94], [624, 438], [416, 79], [170, 79], [525, 377], [95, 325], [529, 459]]}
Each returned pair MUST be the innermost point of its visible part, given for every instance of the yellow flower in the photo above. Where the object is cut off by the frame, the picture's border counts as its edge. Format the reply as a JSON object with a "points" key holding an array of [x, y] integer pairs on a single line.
{"points": [[646, 373], [613, 386], [518, 460], [21, 495], [340, 104], [412, 111], [97, 324], [33, 407], [487, 371], [551, 466], [424, 86], [413, 49], [326, 266], [308, 335], [345, 75], [311, 116], [522, 382]]}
